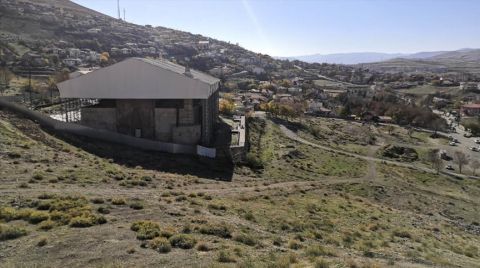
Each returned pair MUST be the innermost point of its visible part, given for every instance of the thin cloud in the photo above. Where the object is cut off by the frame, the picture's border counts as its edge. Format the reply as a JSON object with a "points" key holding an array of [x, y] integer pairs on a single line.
{"points": [[258, 27]]}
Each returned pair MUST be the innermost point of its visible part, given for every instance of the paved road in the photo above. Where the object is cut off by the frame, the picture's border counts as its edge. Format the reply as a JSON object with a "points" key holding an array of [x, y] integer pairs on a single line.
{"points": [[464, 144]]}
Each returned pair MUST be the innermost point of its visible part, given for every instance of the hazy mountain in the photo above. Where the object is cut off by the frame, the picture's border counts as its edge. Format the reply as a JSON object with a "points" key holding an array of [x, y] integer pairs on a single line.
{"points": [[346, 58], [369, 57], [464, 60]]}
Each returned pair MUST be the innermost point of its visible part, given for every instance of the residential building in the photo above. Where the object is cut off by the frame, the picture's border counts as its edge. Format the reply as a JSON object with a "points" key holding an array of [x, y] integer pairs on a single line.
{"points": [[471, 109]]}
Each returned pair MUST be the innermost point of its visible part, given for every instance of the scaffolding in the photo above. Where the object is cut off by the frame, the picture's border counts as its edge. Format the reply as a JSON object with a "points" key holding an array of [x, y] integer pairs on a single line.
{"points": [[71, 108]]}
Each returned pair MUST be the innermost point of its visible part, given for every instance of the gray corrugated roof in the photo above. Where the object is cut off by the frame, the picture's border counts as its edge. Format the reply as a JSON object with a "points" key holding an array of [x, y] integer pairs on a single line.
{"points": [[168, 65]]}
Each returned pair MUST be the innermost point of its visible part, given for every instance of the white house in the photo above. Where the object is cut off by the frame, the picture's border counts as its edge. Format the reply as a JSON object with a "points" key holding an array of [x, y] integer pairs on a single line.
{"points": [[94, 30], [71, 62]]}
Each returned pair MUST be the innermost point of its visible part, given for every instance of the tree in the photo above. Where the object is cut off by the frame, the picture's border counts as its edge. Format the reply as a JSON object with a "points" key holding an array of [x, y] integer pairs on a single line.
{"points": [[226, 106], [390, 129], [410, 131], [433, 157], [29, 86], [475, 165], [5, 77], [460, 159], [104, 58], [51, 86]]}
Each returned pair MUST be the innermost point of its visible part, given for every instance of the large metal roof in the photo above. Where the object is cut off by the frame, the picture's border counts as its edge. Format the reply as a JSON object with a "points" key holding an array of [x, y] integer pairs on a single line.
{"points": [[138, 78]]}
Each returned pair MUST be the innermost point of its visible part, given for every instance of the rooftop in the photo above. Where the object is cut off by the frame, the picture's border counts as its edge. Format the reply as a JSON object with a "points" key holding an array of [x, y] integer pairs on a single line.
{"points": [[180, 70], [472, 105], [138, 78]]}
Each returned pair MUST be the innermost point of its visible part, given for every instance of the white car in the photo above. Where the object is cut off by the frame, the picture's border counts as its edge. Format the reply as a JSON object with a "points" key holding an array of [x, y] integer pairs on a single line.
{"points": [[474, 149], [452, 143], [477, 141]]}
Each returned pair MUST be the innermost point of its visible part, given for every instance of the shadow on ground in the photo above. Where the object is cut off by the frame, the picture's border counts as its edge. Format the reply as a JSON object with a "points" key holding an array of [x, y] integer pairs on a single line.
{"points": [[220, 168]]}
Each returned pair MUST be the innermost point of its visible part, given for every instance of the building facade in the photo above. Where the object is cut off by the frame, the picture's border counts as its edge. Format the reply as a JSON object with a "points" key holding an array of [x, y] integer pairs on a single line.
{"points": [[150, 99]]}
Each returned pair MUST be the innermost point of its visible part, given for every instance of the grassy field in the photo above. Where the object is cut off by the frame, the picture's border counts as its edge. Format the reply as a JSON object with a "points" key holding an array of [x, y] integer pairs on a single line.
{"points": [[67, 201], [367, 140]]}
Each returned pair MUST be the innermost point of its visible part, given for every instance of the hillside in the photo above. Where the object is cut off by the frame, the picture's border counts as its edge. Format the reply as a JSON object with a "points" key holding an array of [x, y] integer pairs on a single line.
{"points": [[50, 35], [312, 191], [77, 202]]}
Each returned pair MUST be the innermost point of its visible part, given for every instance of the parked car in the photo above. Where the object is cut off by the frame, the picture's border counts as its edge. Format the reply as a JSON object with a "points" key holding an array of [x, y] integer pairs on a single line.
{"points": [[452, 143], [474, 149], [449, 167], [477, 141], [468, 134]]}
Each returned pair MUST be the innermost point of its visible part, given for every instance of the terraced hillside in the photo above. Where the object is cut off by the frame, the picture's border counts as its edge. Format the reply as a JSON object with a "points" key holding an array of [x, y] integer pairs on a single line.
{"points": [[67, 201]]}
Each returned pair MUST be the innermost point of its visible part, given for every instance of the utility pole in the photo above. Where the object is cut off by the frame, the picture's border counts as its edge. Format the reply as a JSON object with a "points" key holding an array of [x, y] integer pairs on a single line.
{"points": [[124, 15], [118, 9], [30, 83]]}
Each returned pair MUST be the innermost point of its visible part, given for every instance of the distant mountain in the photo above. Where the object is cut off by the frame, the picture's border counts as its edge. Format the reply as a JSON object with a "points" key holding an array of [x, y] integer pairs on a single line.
{"points": [[463, 60], [346, 58], [370, 57]]}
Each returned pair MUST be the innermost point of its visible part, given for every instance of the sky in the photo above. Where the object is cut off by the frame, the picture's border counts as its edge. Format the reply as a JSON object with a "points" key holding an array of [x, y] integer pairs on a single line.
{"points": [[304, 27]]}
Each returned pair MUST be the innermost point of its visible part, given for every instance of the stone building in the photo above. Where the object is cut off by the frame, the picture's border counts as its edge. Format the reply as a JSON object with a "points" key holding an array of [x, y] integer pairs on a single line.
{"points": [[151, 99]]}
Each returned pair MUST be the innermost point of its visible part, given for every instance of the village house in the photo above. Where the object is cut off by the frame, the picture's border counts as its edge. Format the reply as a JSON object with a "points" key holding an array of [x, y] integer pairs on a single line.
{"points": [[150, 99], [469, 86], [94, 30], [71, 62], [471, 109], [74, 52], [203, 44]]}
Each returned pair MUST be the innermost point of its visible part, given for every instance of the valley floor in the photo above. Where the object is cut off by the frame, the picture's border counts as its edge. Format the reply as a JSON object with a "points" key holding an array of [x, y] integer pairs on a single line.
{"points": [[69, 201]]}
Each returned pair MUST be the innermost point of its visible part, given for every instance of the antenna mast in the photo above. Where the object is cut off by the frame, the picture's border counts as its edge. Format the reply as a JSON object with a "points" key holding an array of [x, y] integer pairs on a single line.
{"points": [[118, 9], [124, 15]]}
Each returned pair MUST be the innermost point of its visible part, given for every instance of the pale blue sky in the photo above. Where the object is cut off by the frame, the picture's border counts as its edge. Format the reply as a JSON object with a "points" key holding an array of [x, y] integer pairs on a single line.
{"points": [[300, 27]]}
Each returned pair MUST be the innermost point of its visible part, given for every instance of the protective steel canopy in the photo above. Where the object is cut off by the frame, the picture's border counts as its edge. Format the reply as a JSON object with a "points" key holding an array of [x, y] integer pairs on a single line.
{"points": [[137, 78]]}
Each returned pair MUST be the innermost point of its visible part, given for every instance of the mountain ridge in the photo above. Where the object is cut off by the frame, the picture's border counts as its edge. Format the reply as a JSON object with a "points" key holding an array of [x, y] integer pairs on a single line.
{"points": [[373, 57]]}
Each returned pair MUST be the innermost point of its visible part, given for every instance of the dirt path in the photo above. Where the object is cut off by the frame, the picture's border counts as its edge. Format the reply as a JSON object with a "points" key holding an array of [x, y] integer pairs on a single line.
{"points": [[292, 135]]}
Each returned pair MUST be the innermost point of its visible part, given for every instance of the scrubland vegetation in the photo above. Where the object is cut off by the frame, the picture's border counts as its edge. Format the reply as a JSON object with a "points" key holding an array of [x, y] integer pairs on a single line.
{"points": [[290, 205]]}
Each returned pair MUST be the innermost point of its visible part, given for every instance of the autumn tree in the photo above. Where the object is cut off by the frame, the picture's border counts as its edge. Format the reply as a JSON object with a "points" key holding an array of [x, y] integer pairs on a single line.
{"points": [[226, 106], [460, 159], [104, 58]]}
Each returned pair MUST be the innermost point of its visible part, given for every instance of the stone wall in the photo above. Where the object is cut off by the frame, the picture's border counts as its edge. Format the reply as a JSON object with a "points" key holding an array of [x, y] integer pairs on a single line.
{"points": [[165, 121], [99, 118], [136, 114], [186, 115]]}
